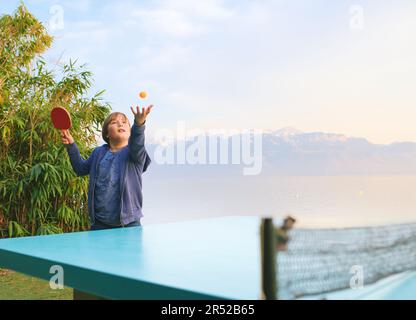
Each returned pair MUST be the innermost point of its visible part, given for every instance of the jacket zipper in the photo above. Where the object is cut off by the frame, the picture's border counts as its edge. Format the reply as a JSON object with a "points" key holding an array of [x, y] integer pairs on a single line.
{"points": [[121, 195], [93, 188]]}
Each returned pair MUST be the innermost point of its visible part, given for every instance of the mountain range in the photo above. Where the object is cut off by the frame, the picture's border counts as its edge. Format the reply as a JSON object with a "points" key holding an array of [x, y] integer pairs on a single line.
{"points": [[289, 151]]}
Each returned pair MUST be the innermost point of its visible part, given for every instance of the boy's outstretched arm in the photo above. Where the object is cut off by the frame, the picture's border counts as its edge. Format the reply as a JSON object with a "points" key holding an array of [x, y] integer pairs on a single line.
{"points": [[137, 150], [80, 166]]}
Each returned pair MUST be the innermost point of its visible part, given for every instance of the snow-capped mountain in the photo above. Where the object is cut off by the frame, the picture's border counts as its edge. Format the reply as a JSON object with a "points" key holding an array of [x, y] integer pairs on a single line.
{"points": [[289, 151], [284, 132]]}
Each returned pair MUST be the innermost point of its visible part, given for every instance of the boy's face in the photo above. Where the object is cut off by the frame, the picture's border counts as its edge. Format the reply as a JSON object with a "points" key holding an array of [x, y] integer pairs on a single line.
{"points": [[118, 129]]}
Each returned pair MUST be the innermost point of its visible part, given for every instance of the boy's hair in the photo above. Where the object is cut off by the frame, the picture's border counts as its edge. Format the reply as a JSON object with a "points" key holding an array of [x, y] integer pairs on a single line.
{"points": [[107, 121]]}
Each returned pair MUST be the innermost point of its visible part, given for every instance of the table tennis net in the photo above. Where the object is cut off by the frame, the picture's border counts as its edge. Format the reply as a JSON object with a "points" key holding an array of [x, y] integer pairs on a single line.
{"points": [[319, 261]]}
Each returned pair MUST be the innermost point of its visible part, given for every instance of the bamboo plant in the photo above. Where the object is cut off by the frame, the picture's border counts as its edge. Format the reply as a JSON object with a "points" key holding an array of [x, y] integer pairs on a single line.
{"points": [[39, 192]]}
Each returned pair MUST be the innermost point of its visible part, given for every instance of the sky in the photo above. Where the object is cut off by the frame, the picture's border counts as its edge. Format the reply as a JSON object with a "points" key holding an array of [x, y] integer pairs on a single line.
{"points": [[334, 66]]}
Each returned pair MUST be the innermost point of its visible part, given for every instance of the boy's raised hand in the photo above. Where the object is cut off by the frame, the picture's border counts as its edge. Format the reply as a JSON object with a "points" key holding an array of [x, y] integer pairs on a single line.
{"points": [[140, 116], [66, 137]]}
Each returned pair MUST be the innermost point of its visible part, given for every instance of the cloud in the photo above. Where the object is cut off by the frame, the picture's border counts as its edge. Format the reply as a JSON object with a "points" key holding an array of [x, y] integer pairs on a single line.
{"points": [[360, 83], [255, 64], [181, 18], [208, 9], [79, 6], [166, 22]]}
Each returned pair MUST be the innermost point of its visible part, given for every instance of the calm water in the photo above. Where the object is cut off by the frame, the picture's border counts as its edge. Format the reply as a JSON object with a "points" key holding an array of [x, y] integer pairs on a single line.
{"points": [[315, 201]]}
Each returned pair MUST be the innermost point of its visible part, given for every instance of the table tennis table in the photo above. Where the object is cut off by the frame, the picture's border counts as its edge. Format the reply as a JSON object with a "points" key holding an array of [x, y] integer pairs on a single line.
{"points": [[216, 258]]}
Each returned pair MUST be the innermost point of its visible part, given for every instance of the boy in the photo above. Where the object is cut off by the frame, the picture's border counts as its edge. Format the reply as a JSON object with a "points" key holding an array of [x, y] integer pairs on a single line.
{"points": [[115, 187]]}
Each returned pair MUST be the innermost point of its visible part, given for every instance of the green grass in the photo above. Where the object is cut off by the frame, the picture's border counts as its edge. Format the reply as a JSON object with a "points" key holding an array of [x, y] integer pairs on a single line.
{"points": [[17, 286]]}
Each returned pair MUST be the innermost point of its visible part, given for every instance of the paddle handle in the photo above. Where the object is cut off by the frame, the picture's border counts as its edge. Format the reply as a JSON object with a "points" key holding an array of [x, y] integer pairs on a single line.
{"points": [[66, 137]]}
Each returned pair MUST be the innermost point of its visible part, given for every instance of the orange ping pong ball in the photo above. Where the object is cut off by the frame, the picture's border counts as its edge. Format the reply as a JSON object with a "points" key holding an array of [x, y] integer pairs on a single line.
{"points": [[143, 94]]}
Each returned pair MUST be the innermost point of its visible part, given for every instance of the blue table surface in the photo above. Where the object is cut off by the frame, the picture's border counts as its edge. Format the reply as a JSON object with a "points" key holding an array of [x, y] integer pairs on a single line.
{"points": [[207, 258]]}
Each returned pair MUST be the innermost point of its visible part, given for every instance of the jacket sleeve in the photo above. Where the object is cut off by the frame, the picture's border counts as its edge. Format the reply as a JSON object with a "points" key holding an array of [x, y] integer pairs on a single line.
{"points": [[137, 150], [80, 166]]}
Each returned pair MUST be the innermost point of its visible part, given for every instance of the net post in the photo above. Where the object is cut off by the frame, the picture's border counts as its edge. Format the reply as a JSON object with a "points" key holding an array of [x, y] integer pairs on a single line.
{"points": [[268, 259]]}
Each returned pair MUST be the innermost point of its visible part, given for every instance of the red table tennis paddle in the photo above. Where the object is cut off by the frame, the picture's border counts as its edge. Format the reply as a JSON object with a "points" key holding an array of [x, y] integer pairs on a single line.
{"points": [[61, 118]]}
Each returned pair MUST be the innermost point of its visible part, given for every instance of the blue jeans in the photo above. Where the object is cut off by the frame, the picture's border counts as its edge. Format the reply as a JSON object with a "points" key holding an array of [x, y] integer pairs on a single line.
{"points": [[98, 225]]}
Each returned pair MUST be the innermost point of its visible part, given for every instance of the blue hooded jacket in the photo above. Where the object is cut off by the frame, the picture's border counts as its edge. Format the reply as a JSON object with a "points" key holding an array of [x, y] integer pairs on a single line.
{"points": [[134, 160]]}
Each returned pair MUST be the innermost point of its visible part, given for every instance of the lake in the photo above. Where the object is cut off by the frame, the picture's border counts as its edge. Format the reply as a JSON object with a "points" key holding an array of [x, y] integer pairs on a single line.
{"points": [[324, 201]]}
